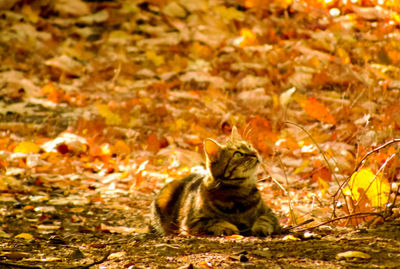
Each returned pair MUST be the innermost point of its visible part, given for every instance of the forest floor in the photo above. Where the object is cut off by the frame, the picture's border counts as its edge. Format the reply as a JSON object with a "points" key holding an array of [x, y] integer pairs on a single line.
{"points": [[77, 244], [103, 102]]}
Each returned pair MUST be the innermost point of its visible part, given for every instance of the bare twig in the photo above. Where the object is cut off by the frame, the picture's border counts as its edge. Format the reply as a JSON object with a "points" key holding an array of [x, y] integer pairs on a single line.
{"points": [[292, 213], [327, 164], [273, 179], [344, 217], [319, 148], [395, 140], [296, 226], [389, 209], [91, 264]]}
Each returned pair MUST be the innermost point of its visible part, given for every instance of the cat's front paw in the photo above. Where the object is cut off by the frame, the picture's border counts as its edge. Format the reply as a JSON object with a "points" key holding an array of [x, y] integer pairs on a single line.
{"points": [[263, 227], [223, 228]]}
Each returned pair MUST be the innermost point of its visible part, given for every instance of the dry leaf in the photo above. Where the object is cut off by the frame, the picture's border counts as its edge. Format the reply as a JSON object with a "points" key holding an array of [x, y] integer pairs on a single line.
{"points": [[25, 236], [317, 111], [234, 236], [27, 147], [376, 187], [353, 254], [71, 7]]}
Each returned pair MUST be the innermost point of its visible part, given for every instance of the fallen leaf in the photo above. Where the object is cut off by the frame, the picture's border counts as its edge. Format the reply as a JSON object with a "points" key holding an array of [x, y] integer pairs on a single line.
{"points": [[376, 187], [117, 229], [110, 117], [230, 13], [25, 236], [66, 64], [173, 9], [317, 111], [27, 147], [290, 237], [285, 97], [15, 255], [353, 254], [71, 7], [234, 236]]}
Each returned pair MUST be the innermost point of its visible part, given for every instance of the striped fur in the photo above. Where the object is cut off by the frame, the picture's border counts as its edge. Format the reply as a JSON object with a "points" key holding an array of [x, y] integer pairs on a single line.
{"points": [[224, 202]]}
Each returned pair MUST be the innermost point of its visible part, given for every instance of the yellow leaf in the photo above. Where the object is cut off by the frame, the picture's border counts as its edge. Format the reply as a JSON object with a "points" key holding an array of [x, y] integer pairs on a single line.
{"points": [[31, 14], [205, 264], [156, 59], [229, 13], [301, 168], [247, 38], [323, 186], [376, 187], [111, 117], [25, 236], [27, 147], [77, 209], [353, 254], [343, 55]]}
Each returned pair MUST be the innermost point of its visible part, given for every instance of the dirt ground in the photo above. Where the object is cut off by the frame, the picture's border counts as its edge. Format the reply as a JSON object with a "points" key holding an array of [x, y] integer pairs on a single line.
{"points": [[70, 236]]}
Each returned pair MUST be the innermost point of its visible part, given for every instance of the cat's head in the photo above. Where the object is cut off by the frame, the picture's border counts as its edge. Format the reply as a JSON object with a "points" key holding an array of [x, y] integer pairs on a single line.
{"points": [[235, 163]]}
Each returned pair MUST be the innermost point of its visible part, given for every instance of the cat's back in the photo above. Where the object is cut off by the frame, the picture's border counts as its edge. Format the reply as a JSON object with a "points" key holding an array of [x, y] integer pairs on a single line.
{"points": [[167, 204]]}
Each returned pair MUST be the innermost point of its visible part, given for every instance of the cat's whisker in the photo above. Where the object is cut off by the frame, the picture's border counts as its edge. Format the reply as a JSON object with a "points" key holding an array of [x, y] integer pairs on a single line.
{"points": [[246, 129], [248, 133]]}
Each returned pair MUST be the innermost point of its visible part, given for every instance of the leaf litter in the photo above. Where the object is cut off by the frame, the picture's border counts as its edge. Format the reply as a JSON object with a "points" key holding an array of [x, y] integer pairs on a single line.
{"points": [[104, 102]]}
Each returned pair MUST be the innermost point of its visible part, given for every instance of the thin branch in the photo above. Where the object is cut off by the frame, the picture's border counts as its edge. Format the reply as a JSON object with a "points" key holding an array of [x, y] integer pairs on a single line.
{"points": [[292, 213], [273, 179], [390, 208], [344, 217], [296, 226], [327, 164], [395, 140], [319, 148], [91, 264]]}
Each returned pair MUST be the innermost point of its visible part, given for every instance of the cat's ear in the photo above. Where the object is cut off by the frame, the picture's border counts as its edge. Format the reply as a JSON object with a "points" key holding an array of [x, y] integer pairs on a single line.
{"points": [[235, 134], [211, 148]]}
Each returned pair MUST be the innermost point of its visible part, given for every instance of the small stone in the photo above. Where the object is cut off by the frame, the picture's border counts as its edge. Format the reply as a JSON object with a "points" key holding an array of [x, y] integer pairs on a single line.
{"points": [[243, 258]]}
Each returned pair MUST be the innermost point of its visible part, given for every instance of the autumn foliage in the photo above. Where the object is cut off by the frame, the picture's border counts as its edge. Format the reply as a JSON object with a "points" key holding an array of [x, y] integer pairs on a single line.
{"points": [[123, 94]]}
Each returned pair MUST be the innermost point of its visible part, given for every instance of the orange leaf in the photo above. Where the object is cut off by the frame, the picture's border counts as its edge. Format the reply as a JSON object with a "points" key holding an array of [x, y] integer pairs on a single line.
{"points": [[260, 134], [247, 38], [154, 144], [53, 94], [317, 111], [234, 236], [122, 148], [323, 176]]}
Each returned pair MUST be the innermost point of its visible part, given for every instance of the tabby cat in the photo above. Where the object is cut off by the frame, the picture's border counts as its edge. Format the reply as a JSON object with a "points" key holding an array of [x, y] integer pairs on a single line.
{"points": [[225, 201]]}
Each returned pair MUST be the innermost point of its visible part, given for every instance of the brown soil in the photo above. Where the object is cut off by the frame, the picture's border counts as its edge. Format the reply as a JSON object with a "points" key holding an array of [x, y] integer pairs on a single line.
{"points": [[89, 234]]}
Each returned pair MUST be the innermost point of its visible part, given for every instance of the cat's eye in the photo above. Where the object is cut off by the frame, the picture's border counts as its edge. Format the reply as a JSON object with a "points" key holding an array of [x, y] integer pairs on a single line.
{"points": [[237, 154]]}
